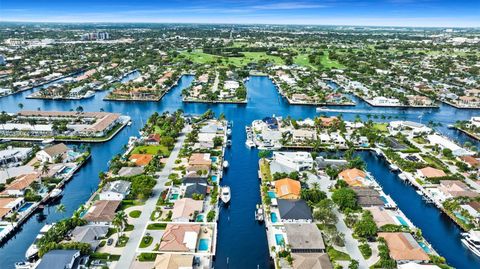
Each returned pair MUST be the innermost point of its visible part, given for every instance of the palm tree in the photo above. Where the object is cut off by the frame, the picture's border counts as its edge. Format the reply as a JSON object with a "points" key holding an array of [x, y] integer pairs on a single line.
{"points": [[45, 169], [120, 221], [60, 208]]}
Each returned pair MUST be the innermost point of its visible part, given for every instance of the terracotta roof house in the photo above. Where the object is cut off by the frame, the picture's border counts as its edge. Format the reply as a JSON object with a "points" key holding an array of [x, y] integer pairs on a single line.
{"points": [[381, 216], [287, 188], [18, 186], [311, 261], [173, 261], [294, 210], [102, 212], [328, 121], [404, 248], [200, 159], [8, 205], [180, 238], [198, 170], [471, 161], [153, 139], [353, 177], [430, 172], [141, 159], [185, 208], [456, 188]]}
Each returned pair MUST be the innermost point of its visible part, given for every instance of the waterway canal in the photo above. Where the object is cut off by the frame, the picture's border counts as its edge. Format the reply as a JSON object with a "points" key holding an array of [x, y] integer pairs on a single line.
{"points": [[241, 241]]}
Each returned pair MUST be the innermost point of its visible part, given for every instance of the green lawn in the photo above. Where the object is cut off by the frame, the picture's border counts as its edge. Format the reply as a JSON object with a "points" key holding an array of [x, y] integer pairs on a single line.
{"points": [[197, 56], [151, 149], [302, 60], [146, 241], [265, 171], [327, 63], [382, 127], [157, 226], [337, 255], [135, 214]]}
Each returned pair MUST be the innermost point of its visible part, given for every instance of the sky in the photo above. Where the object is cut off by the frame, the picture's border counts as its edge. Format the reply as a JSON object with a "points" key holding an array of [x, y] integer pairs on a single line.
{"points": [[428, 13]]}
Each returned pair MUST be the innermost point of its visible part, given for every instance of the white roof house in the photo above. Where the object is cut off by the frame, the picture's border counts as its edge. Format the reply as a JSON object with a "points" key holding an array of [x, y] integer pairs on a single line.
{"points": [[444, 143], [298, 161]]}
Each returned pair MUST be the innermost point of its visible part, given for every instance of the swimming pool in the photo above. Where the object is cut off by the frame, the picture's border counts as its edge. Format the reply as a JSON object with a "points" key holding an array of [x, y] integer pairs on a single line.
{"points": [[273, 216], [279, 240], [402, 221], [174, 196], [214, 178], [424, 247], [66, 170], [384, 199], [461, 217], [25, 207], [214, 159], [199, 218], [272, 194], [204, 244]]}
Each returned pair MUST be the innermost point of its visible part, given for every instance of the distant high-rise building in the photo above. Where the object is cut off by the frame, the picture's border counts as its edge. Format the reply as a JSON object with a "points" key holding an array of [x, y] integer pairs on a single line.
{"points": [[96, 36]]}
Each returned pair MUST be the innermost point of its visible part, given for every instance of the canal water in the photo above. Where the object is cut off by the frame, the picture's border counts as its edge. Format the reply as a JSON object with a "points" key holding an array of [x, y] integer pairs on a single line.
{"points": [[241, 241]]}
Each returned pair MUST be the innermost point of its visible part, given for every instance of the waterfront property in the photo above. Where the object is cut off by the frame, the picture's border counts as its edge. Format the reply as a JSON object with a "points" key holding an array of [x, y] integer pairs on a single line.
{"points": [[68, 126]]}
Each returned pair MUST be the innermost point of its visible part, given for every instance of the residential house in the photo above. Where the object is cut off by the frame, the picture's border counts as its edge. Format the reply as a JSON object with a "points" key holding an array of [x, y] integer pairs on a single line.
{"points": [[153, 139], [12, 155], [195, 189], [404, 248], [185, 209], [294, 210], [311, 261], [381, 216], [129, 171], [367, 197], [287, 188], [9, 205], [430, 172], [303, 135], [102, 212], [298, 161], [173, 261], [90, 234], [444, 143], [50, 154], [353, 177], [180, 238], [62, 259], [304, 238], [141, 159], [20, 184], [115, 190], [456, 188]]}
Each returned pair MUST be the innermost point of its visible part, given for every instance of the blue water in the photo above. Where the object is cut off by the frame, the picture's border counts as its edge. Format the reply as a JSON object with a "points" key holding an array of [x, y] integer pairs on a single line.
{"points": [[236, 225], [25, 207], [203, 245], [424, 247], [279, 239], [273, 216]]}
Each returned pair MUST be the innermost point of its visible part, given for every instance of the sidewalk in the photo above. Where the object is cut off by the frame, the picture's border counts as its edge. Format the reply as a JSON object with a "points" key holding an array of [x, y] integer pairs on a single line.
{"points": [[130, 250]]}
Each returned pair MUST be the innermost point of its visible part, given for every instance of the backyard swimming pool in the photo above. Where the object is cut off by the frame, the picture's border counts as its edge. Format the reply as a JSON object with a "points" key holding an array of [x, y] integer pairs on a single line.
{"points": [[204, 244], [273, 216], [279, 239], [424, 247], [214, 178], [272, 194], [25, 207], [402, 221]]}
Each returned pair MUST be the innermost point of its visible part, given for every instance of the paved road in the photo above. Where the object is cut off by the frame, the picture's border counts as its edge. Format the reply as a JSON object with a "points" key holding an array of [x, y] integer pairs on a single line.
{"points": [[129, 252], [351, 244]]}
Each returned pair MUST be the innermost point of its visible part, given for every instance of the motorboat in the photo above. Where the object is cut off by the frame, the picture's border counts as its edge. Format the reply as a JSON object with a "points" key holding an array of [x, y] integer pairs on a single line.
{"points": [[48, 141], [225, 164], [320, 109], [89, 94], [229, 132], [56, 193], [24, 265], [259, 216], [250, 143], [472, 241], [229, 143], [402, 176], [393, 167], [225, 194], [32, 251]]}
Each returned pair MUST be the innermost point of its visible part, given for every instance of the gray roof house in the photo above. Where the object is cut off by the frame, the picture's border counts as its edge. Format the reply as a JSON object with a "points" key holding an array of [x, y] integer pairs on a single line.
{"points": [[90, 234], [195, 189], [61, 259], [294, 210], [304, 238], [130, 171]]}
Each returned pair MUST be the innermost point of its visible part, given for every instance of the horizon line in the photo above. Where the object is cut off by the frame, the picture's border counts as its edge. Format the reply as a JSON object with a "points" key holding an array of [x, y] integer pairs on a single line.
{"points": [[233, 23]]}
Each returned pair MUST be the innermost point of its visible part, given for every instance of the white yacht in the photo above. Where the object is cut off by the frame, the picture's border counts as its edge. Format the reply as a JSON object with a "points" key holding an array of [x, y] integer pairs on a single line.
{"points": [[259, 216], [89, 94], [225, 194], [472, 241], [225, 164], [56, 193], [322, 108], [250, 143], [229, 132], [32, 251], [393, 167]]}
